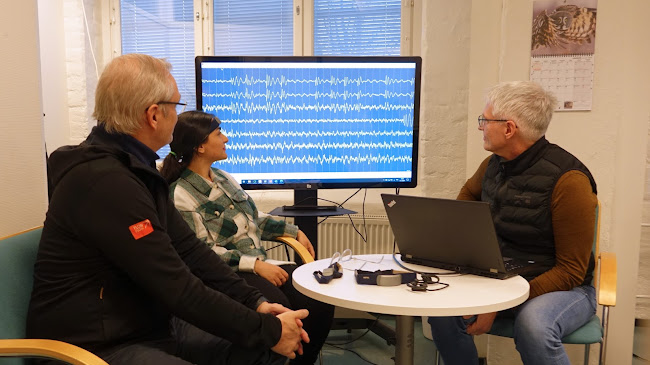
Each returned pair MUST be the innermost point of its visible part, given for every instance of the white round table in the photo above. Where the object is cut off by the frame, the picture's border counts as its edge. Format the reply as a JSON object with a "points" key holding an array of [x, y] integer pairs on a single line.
{"points": [[466, 295]]}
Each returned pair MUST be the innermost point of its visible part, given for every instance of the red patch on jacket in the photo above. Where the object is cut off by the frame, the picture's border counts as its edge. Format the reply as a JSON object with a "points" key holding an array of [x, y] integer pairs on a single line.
{"points": [[141, 229]]}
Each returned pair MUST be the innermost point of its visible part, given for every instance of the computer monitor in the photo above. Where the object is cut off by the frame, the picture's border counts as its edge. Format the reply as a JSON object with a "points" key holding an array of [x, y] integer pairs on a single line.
{"points": [[315, 122]]}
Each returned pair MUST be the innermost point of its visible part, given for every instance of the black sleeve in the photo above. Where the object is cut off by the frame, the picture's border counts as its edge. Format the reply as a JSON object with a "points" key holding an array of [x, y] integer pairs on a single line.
{"points": [[219, 302], [206, 264]]}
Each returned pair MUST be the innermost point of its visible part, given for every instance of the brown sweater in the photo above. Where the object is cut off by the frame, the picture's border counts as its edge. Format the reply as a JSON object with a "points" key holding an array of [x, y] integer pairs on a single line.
{"points": [[573, 206]]}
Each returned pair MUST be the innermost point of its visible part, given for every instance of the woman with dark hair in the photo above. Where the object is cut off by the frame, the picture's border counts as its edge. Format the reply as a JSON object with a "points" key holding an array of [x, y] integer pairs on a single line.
{"points": [[225, 217]]}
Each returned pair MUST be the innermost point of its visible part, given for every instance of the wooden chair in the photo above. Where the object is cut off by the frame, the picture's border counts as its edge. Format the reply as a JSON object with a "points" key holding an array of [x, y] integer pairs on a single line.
{"points": [[17, 257], [287, 243], [593, 331]]}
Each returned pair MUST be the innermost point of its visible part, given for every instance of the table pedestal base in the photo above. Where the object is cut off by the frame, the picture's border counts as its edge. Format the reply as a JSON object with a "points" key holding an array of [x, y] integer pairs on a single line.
{"points": [[404, 347]]}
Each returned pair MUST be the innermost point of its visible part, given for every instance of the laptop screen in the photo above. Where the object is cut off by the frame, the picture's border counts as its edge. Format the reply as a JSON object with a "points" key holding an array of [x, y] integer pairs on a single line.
{"points": [[449, 233]]}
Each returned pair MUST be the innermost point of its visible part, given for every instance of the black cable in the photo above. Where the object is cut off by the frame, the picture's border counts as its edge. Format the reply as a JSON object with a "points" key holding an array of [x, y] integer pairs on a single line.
{"points": [[331, 201], [352, 351], [301, 201], [350, 197], [337, 204], [345, 201], [423, 284], [428, 278], [276, 246], [455, 273], [356, 339], [363, 215], [370, 326], [355, 228], [363, 210]]}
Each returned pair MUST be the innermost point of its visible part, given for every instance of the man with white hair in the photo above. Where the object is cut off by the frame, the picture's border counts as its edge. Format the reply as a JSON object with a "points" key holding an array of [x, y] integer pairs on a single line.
{"points": [[543, 202], [118, 271]]}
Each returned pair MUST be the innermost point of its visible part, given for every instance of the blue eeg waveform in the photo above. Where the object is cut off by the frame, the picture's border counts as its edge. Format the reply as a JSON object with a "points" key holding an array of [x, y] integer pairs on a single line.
{"points": [[313, 119], [321, 160], [284, 80], [248, 108], [311, 146], [407, 120], [250, 95], [302, 134]]}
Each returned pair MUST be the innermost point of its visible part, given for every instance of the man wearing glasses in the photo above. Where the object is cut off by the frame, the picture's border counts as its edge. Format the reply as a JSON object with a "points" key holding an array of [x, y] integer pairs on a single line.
{"points": [[543, 203], [118, 271]]}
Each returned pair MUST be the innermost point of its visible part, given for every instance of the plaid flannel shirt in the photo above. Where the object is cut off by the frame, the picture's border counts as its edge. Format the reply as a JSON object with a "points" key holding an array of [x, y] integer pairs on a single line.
{"points": [[226, 218]]}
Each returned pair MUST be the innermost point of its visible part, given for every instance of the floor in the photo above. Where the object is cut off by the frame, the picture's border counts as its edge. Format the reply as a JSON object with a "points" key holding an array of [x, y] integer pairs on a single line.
{"points": [[362, 347]]}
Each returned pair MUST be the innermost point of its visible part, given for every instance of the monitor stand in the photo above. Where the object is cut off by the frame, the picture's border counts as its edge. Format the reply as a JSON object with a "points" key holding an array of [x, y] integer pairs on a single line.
{"points": [[306, 211]]}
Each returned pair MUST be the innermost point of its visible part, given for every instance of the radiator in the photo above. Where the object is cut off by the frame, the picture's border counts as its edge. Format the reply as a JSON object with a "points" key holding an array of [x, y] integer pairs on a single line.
{"points": [[337, 234]]}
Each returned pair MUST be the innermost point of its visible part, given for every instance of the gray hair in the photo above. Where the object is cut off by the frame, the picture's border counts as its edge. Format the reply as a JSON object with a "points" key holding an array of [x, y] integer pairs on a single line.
{"points": [[127, 87], [524, 102]]}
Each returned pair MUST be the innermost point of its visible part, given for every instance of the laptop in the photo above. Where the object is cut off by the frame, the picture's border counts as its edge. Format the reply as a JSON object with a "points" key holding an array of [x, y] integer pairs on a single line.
{"points": [[454, 235]]}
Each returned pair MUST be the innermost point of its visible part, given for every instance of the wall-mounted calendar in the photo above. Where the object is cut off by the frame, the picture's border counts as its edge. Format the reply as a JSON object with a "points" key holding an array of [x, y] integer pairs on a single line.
{"points": [[562, 50], [570, 78]]}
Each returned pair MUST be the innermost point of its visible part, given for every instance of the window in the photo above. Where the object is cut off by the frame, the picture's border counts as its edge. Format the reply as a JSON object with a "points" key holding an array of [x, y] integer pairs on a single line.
{"points": [[357, 27], [253, 28], [163, 29], [181, 29]]}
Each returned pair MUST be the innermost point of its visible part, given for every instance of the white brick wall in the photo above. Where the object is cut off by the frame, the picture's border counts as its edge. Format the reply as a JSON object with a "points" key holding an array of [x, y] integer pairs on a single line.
{"points": [[80, 66]]}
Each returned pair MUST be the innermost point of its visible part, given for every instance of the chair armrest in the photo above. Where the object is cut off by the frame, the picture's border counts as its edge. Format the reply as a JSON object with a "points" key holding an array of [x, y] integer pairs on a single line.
{"points": [[607, 279], [297, 247], [50, 349]]}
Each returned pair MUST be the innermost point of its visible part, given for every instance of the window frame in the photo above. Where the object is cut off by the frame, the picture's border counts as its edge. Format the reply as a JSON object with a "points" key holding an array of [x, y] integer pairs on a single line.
{"points": [[303, 30]]}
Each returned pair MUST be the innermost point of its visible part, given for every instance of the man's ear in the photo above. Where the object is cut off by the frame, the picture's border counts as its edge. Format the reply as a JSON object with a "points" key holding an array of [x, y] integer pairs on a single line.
{"points": [[151, 116], [511, 128], [200, 148]]}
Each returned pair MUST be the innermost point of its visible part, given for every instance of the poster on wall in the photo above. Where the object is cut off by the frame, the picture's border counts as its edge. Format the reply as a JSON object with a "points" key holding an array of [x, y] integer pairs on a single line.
{"points": [[562, 50]]}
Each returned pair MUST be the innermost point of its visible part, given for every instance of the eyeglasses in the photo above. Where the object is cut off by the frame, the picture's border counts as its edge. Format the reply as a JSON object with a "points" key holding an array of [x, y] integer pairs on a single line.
{"points": [[349, 262], [483, 120], [180, 107]]}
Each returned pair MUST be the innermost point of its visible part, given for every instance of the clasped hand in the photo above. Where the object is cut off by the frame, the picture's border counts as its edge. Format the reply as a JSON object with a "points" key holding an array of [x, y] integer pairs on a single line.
{"points": [[293, 335]]}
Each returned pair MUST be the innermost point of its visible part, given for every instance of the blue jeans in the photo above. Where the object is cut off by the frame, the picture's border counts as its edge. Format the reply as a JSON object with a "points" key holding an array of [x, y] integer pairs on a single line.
{"points": [[540, 324]]}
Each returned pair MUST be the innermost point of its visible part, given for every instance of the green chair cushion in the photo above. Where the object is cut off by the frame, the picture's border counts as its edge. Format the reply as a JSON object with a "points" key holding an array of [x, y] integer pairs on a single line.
{"points": [[591, 332], [17, 257]]}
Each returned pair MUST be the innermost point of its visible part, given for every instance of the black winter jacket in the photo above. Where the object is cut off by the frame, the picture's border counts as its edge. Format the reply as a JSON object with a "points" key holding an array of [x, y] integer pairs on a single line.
{"points": [[97, 286]]}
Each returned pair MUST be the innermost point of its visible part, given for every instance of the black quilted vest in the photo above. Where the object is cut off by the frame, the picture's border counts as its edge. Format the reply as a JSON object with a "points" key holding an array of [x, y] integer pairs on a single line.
{"points": [[519, 192]]}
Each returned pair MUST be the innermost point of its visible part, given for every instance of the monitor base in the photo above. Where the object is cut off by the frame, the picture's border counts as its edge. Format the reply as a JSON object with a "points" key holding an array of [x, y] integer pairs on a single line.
{"points": [[310, 207]]}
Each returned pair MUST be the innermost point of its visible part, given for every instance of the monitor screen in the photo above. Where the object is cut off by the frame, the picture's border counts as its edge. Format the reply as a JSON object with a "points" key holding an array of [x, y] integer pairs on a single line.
{"points": [[315, 122]]}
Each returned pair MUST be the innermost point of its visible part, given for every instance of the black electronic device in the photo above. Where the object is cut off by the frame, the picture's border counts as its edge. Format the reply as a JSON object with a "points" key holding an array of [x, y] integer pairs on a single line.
{"points": [[384, 277], [310, 207]]}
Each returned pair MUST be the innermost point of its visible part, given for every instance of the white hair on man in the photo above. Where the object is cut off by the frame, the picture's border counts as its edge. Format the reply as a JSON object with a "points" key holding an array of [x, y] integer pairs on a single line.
{"points": [[524, 102], [127, 87]]}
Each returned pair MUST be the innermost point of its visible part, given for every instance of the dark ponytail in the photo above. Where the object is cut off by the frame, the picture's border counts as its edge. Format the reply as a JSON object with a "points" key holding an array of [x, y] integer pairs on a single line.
{"points": [[192, 128], [172, 167]]}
